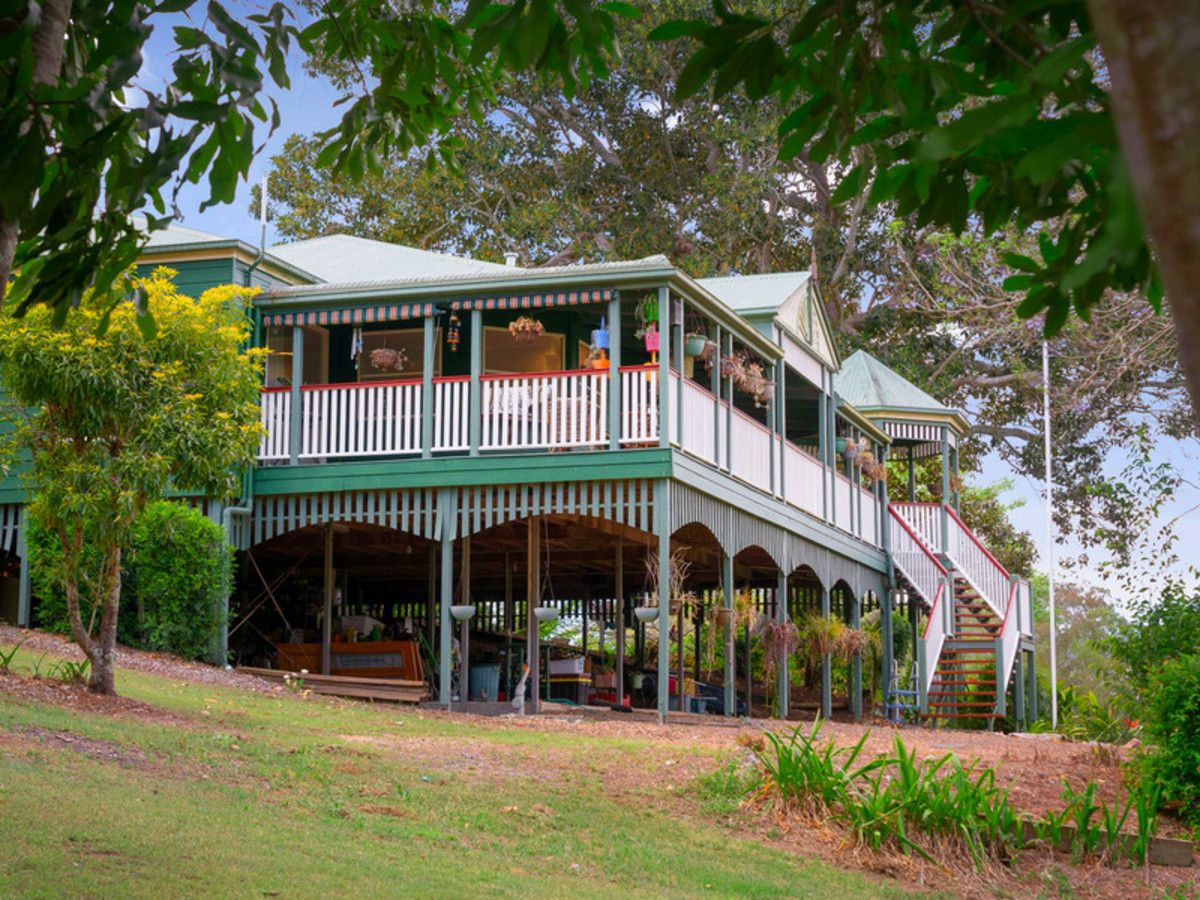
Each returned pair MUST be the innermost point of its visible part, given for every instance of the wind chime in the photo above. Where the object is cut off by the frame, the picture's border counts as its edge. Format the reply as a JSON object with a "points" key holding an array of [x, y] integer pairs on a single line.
{"points": [[452, 332]]}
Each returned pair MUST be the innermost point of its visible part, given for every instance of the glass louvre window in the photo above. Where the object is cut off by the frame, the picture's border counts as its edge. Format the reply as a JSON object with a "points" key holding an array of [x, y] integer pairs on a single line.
{"points": [[279, 363], [504, 354], [411, 341]]}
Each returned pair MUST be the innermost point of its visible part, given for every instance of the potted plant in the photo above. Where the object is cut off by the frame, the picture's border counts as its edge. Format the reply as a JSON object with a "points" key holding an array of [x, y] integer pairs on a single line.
{"points": [[651, 337], [733, 367], [526, 328], [708, 354], [850, 451], [596, 358], [600, 336], [693, 344]]}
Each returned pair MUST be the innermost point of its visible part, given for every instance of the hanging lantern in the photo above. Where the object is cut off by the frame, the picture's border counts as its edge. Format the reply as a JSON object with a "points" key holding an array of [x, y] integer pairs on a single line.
{"points": [[452, 334]]}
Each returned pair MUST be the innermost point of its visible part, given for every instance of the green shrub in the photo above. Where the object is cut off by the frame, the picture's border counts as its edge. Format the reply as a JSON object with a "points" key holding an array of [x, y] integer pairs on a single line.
{"points": [[181, 571], [1172, 728], [173, 581]]}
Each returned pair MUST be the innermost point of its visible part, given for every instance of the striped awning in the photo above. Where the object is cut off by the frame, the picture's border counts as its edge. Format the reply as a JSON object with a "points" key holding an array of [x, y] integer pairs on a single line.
{"points": [[351, 315], [537, 299]]}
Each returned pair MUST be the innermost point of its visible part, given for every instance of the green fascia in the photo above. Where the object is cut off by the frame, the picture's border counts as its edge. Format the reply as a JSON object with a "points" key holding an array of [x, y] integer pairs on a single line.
{"points": [[462, 471], [856, 417], [752, 501], [149, 254]]}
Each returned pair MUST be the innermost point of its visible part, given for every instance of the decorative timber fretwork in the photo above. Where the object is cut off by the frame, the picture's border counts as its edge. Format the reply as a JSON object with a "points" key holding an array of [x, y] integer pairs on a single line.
{"points": [[412, 511], [629, 503]]}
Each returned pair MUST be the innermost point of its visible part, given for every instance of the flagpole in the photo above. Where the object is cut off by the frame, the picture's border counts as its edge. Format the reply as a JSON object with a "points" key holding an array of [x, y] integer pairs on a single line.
{"points": [[1050, 535]]}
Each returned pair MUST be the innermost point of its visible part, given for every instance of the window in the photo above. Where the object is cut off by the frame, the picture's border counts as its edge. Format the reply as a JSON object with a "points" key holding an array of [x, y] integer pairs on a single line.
{"points": [[279, 363], [502, 353], [411, 341]]}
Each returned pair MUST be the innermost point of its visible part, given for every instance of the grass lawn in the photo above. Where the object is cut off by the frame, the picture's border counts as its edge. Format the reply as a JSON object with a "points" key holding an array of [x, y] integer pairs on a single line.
{"points": [[229, 792]]}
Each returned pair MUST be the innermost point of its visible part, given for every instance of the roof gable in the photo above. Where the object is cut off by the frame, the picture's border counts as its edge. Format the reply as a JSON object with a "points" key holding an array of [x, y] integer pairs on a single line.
{"points": [[871, 387], [789, 298]]}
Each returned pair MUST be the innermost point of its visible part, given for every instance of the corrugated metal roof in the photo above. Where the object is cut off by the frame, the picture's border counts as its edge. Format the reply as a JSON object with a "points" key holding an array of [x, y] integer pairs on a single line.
{"points": [[178, 234], [744, 293], [343, 258], [441, 273], [869, 386]]}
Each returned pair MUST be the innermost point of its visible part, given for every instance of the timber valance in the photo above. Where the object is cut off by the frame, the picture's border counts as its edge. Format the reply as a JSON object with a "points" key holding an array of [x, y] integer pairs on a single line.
{"points": [[537, 299], [353, 315]]}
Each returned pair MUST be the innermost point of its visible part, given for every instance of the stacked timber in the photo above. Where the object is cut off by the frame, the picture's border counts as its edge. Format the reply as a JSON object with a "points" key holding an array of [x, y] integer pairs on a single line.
{"points": [[396, 690]]}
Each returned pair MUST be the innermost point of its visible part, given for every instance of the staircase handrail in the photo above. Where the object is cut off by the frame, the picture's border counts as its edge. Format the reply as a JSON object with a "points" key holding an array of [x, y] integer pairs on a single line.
{"points": [[981, 569], [901, 555]]}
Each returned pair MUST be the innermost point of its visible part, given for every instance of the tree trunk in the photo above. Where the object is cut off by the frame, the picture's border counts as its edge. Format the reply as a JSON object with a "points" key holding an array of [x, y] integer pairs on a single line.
{"points": [[1153, 56], [104, 658]]}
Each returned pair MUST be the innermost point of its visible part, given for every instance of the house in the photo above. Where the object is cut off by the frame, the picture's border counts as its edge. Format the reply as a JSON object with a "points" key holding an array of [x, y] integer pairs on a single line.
{"points": [[446, 437]]}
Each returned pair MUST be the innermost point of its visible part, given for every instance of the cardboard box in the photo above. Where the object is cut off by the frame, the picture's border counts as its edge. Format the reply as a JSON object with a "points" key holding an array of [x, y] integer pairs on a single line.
{"points": [[605, 680]]}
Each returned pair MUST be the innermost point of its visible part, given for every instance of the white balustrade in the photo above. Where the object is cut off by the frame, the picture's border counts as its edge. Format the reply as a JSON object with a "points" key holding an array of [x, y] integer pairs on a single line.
{"points": [[552, 411], [1010, 636], [977, 565], [639, 405], [841, 501], [917, 562], [926, 520], [361, 419], [451, 430], [752, 450], [802, 479], [276, 418], [699, 437], [869, 527]]}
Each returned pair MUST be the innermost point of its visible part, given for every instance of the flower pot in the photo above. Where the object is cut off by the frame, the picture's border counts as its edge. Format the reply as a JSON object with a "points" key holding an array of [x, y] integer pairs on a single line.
{"points": [[722, 616], [694, 345], [601, 363], [652, 341], [600, 338], [646, 614], [840, 444]]}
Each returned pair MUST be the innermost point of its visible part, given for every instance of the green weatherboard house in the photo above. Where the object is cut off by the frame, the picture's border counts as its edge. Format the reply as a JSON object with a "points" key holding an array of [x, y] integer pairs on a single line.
{"points": [[445, 436]]}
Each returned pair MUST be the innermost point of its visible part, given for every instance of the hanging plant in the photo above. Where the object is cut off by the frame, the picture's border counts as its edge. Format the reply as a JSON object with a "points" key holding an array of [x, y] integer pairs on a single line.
{"points": [[526, 328], [851, 642], [734, 367], [851, 450], [600, 336], [780, 640], [693, 344], [652, 339], [708, 355], [823, 635], [388, 359], [646, 315], [452, 332]]}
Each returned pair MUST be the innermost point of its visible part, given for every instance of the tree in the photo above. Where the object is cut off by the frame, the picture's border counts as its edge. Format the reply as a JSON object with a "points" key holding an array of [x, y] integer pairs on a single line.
{"points": [[84, 144], [626, 168], [118, 418], [971, 112]]}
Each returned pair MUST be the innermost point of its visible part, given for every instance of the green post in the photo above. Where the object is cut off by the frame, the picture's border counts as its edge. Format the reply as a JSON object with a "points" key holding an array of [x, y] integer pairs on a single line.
{"points": [[856, 670], [664, 368], [446, 571], [474, 409], [729, 425], [1001, 687], [677, 354], [714, 385], [945, 489], [826, 664], [889, 644], [730, 635], [24, 590], [662, 529], [922, 666], [614, 373], [823, 449], [785, 669], [1031, 688], [297, 411], [1019, 691], [427, 401]]}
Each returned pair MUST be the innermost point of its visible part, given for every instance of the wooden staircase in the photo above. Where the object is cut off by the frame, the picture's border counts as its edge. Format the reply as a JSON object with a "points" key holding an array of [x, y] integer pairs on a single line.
{"points": [[964, 682]]}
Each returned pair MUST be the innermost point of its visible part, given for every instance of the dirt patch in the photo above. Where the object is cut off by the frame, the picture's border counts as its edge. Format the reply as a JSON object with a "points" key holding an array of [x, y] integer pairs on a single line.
{"points": [[162, 664], [77, 697], [108, 751]]}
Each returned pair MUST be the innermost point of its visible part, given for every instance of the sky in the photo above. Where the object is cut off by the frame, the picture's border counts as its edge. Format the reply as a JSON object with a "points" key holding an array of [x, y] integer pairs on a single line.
{"points": [[309, 107]]}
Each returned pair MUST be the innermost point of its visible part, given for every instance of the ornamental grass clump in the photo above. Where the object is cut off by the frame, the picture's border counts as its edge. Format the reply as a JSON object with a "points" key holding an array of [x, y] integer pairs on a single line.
{"points": [[930, 808]]}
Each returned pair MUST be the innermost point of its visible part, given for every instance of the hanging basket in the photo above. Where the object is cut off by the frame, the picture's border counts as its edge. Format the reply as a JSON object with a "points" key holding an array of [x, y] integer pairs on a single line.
{"points": [[600, 337], [694, 345], [526, 329], [722, 616], [646, 614], [388, 359]]}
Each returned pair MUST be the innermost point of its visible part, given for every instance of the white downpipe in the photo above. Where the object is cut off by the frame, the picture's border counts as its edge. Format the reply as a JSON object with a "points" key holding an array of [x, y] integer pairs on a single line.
{"points": [[1050, 535]]}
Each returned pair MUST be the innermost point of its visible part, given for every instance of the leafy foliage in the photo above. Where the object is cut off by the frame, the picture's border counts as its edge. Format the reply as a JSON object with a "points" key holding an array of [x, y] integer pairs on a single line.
{"points": [[1173, 731], [949, 111], [176, 573], [69, 72], [118, 417], [1157, 630]]}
